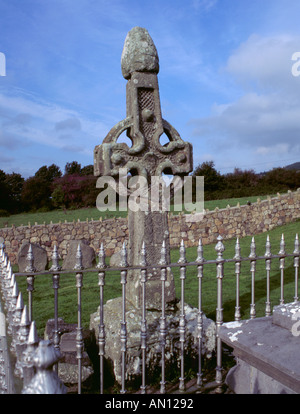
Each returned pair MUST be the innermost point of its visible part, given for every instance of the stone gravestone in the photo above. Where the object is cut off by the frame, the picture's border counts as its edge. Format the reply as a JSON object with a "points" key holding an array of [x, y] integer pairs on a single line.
{"points": [[39, 255], [88, 255], [146, 158]]}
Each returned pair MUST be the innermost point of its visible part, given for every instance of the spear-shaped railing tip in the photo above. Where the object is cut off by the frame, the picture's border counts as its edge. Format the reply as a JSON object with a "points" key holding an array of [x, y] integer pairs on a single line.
{"points": [[200, 258], [143, 259], [101, 256], [33, 338], [124, 262], [25, 318], [15, 290], [55, 260], [237, 255], [78, 265], [252, 254], [30, 261], [163, 254], [282, 245], [296, 251], [268, 247], [20, 302], [182, 258], [220, 247]]}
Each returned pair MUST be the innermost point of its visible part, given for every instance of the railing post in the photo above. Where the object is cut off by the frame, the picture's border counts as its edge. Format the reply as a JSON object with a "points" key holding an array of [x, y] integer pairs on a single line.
{"points": [[219, 311], [143, 262], [268, 256], [55, 280], [30, 280], [182, 260], [200, 260], [101, 337], [79, 338], [296, 265], [252, 256], [163, 327], [237, 257], [123, 335], [281, 266]]}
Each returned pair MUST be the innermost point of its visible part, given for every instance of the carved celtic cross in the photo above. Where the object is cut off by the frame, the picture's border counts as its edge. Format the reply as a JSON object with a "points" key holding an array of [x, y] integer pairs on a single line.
{"points": [[144, 123], [147, 157]]}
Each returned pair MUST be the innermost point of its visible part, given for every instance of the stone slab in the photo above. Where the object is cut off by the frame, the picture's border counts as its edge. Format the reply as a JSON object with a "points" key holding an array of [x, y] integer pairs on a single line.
{"points": [[246, 379], [40, 259], [287, 315], [88, 255], [269, 348], [68, 365]]}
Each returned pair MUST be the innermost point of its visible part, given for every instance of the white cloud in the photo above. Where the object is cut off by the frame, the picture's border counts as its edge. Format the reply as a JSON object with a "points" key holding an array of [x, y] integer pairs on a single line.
{"points": [[279, 149], [37, 121], [266, 61], [265, 119]]}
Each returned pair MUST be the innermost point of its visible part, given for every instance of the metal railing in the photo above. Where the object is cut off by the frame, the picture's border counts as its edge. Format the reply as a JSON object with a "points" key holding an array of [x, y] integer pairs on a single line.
{"points": [[22, 329]]}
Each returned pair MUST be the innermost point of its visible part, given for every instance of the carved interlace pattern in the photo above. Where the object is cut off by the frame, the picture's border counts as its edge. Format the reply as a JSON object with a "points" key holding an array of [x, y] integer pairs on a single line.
{"points": [[146, 101]]}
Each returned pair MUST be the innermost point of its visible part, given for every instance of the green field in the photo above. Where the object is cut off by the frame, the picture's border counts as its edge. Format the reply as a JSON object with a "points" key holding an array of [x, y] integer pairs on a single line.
{"points": [[56, 216], [43, 304]]}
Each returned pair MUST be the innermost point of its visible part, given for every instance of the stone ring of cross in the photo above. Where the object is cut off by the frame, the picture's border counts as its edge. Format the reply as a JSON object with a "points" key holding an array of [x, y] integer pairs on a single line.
{"points": [[143, 124]]}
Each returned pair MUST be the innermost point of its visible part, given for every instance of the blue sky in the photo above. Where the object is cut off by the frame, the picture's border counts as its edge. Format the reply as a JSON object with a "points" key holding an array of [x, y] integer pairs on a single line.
{"points": [[225, 78]]}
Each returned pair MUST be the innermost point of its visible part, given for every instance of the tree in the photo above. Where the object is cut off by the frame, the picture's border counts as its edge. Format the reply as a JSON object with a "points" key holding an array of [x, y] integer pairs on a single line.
{"points": [[87, 170], [4, 191], [73, 191], [49, 173], [36, 194], [213, 180], [281, 179], [72, 168], [14, 183], [241, 183]]}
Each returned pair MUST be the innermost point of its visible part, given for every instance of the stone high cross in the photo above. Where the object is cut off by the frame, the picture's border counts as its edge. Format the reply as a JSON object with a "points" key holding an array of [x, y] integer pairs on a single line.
{"points": [[146, 157]]}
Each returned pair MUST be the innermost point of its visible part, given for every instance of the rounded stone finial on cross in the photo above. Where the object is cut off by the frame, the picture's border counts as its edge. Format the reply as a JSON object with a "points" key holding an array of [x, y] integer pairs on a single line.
{"points": [[139, 53]]}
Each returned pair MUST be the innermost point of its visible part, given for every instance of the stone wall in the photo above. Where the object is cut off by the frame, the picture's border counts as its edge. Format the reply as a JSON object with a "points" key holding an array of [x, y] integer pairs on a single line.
{"points": [[230, 222], [236, 221]]}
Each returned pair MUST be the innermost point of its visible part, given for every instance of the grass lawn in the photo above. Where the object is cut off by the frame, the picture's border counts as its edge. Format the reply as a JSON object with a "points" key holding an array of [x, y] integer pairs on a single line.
{"points": [[43, 302], [93, 213]]}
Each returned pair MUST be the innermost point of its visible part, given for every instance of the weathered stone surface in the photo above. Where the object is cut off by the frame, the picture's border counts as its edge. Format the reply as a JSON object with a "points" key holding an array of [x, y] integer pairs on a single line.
{"points": [[146, 159], [115, 259], [287, 316], [152, 229], [39, 255], [139, 53], [243, 378], [265, 348], [88, 255], [68, 365], [112, 321]]}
